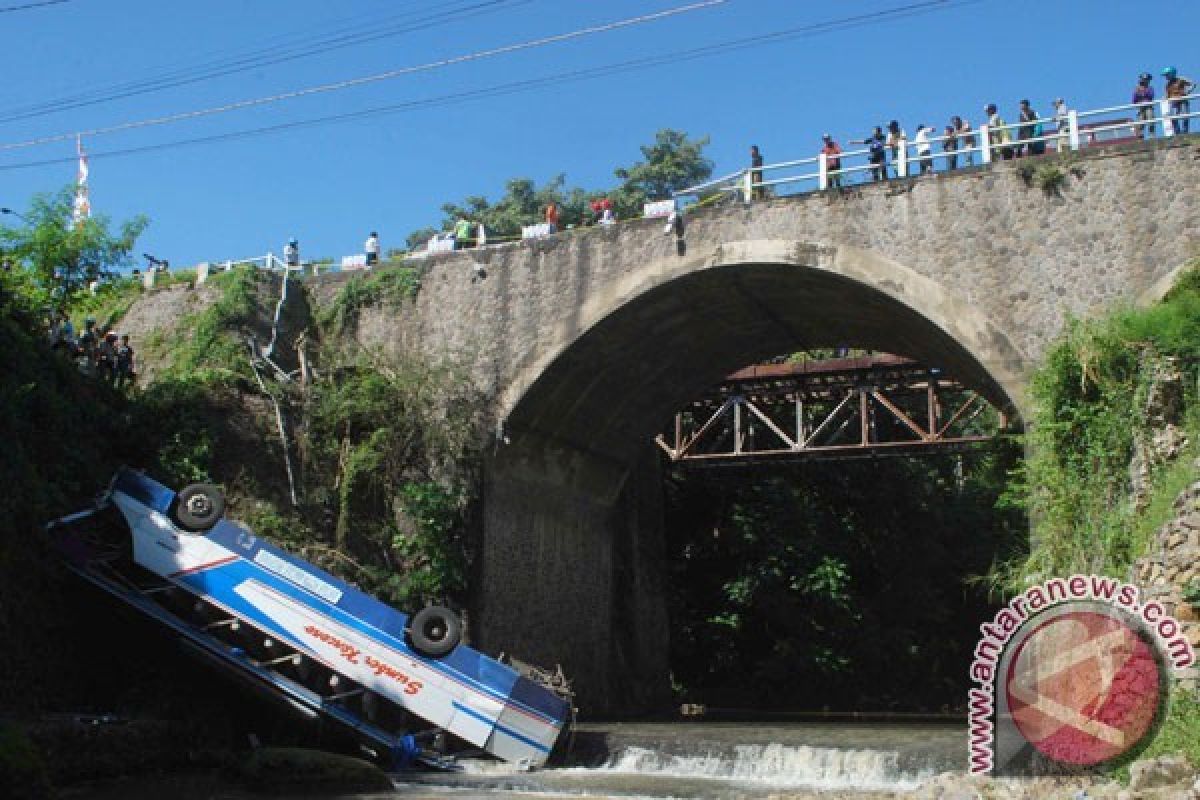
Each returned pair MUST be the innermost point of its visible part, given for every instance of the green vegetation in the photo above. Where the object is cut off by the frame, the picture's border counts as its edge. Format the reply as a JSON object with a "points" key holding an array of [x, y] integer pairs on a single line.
{"points": [[389, 287], [389, 448], [22, 770], [56, 258], [673, 161], [210, 346], [1090, 406], [1180, 732], [837, 585]]}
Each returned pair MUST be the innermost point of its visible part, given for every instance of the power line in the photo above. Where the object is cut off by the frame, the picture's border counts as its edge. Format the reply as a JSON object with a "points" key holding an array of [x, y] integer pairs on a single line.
{"points": [[26, 6], [348, 36], [631, 65], [382, 76]]}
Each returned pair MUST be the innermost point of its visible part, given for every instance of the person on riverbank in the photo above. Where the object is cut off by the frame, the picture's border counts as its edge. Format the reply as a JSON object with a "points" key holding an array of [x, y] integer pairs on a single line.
{"points": [[125, 372]]}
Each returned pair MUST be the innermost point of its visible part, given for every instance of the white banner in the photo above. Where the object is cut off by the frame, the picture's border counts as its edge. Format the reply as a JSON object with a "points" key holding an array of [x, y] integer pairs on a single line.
{"points": [[662, 208], [535, 231]]}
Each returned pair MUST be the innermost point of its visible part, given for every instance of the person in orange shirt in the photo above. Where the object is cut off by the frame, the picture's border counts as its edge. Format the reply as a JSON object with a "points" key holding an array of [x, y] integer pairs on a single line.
{"points": [[552, 216]]}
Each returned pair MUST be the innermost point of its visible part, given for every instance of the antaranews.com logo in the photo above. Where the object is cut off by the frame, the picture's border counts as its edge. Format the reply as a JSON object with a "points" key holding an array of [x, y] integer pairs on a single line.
{"points": [[1073, 675]]}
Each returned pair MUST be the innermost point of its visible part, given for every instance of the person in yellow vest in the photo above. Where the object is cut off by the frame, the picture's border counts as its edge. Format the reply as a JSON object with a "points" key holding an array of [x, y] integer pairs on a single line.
{"points": [[462, 234], [999, 136]]}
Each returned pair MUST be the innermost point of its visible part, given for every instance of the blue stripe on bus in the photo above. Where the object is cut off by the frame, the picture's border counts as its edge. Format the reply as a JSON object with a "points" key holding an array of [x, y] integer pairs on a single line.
{"points": [[357, 609], [509, 732], [220, 582]]}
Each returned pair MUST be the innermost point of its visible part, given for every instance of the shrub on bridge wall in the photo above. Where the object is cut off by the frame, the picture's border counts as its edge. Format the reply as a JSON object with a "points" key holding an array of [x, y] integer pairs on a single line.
{"points": [[389, 285], [1093, 403]]}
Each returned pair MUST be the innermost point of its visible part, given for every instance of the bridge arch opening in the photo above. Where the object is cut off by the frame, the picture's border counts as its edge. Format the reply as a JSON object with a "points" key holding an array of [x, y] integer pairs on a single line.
{"points": [[574, 507]]}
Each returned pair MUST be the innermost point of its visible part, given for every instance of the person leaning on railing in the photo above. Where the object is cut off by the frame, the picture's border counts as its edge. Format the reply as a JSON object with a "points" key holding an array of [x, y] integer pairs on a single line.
{"points": [[1178, 88]]}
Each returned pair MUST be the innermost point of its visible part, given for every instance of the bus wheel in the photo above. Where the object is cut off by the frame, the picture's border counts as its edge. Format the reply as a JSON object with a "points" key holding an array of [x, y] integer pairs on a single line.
{"points": [[198, 507], [434, 631]]}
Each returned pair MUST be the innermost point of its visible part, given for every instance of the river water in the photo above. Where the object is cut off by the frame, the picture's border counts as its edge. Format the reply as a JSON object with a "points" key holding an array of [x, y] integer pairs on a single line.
{"points": [[713, 761]]}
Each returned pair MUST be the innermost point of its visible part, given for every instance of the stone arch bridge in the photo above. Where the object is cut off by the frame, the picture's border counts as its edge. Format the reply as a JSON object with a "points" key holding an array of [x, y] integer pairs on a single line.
{"points": [[588, 341]]}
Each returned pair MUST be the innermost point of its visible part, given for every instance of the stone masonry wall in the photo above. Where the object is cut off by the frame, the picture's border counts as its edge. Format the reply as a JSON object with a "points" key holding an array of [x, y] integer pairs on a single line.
{"points": [[1173, 568]]}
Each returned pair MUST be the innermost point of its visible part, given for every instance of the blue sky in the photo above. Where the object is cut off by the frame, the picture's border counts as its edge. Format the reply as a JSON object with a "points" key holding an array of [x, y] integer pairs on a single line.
{"points": [[330, 185]]}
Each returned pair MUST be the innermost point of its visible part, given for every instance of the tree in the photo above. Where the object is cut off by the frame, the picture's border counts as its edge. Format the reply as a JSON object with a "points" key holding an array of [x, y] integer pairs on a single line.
{"points": [[56, 258], [672, 163]]}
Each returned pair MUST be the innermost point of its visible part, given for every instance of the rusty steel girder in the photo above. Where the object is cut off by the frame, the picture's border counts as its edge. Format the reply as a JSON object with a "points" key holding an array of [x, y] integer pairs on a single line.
{"points": [[870, 406]]}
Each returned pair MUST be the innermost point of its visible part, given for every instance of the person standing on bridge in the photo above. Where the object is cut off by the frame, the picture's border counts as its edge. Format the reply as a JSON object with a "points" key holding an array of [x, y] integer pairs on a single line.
{"points": [[999, 137], [371, 248], [1178, 88], [1062, 119], [1143, 98], [833, 161], [950, 147], [924, 149], [552, 216], [876, 153], [967, 141], [1029, 131], [291, 253], [462, 234], [757, 192], [897, 140]]}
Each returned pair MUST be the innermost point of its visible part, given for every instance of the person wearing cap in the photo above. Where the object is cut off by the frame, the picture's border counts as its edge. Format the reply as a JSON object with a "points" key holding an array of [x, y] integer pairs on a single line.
{"points": [[291, 253], [833, 161], [371, 248], [1143, 98], [924, 149], [1178, 88], [999, 136]]}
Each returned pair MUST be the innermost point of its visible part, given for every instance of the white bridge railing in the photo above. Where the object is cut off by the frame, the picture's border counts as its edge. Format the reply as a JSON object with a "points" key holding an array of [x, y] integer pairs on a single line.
{"points": [[1073, 131]]}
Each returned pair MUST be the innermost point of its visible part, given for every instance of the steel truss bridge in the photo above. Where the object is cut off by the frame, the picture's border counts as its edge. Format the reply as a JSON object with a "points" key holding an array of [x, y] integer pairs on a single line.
{"points": [[870, 406]]}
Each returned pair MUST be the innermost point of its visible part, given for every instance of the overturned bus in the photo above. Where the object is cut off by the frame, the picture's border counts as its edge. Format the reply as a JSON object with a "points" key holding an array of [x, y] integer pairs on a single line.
{"points": [[325, 648]]}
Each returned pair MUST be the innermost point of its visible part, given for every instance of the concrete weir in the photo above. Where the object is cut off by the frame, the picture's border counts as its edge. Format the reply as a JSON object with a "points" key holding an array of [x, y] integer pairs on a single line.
{"points": [[587, 342]]}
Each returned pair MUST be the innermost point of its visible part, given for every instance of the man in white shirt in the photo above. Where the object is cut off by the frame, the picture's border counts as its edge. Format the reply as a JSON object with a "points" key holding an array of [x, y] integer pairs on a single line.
{"points": [[924, 150], [371, 247]]}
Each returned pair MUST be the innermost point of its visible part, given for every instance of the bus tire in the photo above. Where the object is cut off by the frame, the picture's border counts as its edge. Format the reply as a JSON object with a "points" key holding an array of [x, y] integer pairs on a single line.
{"points": [[198, 507], [434, 631]]}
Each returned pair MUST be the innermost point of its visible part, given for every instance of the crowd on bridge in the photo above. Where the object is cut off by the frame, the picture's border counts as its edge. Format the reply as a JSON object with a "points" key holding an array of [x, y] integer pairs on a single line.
{"points": [[887, 155], [887, 144]]}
